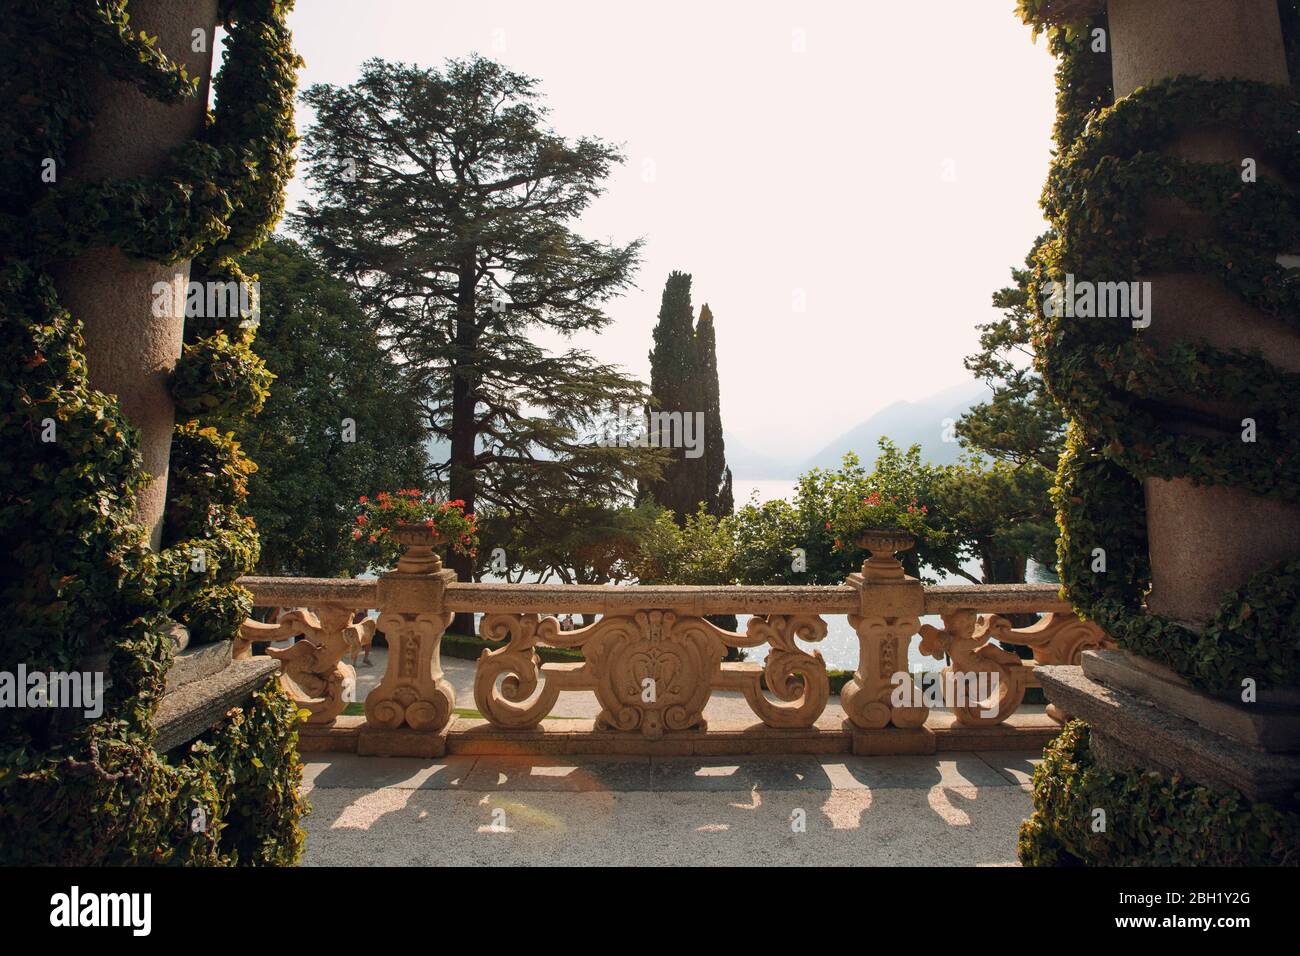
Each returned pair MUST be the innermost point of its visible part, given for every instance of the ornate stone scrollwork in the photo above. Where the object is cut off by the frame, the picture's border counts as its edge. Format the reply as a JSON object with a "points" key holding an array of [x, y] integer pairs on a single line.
{"points": [[652, 672], [867, 699], [414, 692], [517, 701], [966, 637], [312, 671], [792, 675], [1058, 638]]}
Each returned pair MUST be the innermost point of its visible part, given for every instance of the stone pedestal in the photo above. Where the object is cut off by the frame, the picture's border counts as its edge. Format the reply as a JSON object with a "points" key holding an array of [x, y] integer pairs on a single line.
{"points": [[1267, 719], [131, 350], [892, 604], [413, 694]]}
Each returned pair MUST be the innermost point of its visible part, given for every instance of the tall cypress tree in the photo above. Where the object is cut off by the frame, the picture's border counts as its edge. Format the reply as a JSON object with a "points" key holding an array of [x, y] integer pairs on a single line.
{"points": [[717, 476], [684, 378], [673, 389]]}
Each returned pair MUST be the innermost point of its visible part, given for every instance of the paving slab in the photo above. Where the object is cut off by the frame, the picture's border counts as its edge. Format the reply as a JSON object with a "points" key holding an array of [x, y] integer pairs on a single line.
{"points": [[1015, 765], [531, 774], [739, 773], [416, 827], [629, 811], [399, 773]]}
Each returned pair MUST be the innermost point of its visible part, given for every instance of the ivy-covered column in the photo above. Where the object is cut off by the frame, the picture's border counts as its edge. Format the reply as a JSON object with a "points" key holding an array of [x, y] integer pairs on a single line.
{"points": [[1196, 532], [133, 334], [1169, 331]]}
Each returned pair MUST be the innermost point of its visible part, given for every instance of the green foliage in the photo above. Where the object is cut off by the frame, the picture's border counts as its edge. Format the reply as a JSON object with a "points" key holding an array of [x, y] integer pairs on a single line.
{"points": [[698, 551], [1114, 384], [1021, 423], [449, 205], [758, 544], [219, 380], [1151, 820], [330, 365], [853, 514], [125, 805], [83, 587], [576, 542], [719, 499], [1000, 512], [684, 379]]}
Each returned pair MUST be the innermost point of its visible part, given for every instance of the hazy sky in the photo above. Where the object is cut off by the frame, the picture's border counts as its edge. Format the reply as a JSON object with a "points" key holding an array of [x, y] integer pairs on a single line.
{"points": [[877, 163]]}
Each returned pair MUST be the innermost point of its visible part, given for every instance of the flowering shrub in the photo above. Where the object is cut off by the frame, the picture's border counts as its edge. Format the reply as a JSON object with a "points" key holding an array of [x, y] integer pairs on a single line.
{"points": [[410, 507], [855, 513]]}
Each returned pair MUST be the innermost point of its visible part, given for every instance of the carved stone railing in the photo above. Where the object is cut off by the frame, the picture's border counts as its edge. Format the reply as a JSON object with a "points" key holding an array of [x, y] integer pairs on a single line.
{"points": [[653, 660]]}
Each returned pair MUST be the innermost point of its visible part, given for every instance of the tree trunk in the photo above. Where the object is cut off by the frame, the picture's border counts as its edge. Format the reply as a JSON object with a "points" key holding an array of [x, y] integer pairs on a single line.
{"points": [[462, 483], [1008, 569]]}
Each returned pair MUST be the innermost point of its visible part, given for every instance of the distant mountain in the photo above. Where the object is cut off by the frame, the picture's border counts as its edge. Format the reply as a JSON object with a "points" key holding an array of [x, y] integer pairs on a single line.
{"points": [[905, 423], [751, 465]]}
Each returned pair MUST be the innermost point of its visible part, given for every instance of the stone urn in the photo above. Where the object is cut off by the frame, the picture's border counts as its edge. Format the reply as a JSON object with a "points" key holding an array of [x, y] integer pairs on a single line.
{"points": [[883, 545], [420, 544]]}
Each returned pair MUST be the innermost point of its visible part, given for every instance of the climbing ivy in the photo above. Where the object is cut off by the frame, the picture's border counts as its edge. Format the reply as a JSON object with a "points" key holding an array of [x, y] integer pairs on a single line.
{"points": [[1150, 819], [82, 589], [1113, 383]]}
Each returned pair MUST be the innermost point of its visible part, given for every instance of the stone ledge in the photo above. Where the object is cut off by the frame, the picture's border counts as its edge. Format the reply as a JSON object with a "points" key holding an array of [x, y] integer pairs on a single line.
{"points": [[1130, 733], [554, 737], [1263, 725], [196, 663], [192, 709]]}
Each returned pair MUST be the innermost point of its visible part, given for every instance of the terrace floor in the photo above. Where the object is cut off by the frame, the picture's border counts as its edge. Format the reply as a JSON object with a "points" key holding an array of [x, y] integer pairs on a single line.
{"points": [[945, 809]]}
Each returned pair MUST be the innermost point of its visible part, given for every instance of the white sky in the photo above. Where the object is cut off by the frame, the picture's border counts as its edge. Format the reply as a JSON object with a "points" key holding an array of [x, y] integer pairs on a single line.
{"points": [[774, 171]]}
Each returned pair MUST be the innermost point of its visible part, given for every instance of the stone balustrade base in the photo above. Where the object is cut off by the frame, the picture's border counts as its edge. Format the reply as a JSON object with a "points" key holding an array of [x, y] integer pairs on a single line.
{"points": [[475, 736], [1130, 732], [399, 742]]}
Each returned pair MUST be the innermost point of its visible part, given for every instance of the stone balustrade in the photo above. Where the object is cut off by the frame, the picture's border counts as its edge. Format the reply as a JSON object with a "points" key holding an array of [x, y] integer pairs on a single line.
{"points": [[652, 660]]}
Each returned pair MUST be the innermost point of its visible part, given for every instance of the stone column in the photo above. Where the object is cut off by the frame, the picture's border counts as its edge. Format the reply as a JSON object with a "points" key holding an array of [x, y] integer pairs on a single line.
{"points": [[1206, 541], [411, 710], [130, 350], [1203, 541], [892, 604]]}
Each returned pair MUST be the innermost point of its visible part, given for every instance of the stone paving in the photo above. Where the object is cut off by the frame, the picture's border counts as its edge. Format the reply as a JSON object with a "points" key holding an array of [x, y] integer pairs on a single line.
{"points": [[950, 809]]}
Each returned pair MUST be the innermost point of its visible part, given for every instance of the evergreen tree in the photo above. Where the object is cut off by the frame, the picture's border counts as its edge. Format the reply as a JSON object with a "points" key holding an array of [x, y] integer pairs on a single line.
{"points": [[717, 476], [673, 390], [1021, 424], [329, 366], [447, 203], [684, 380]]}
